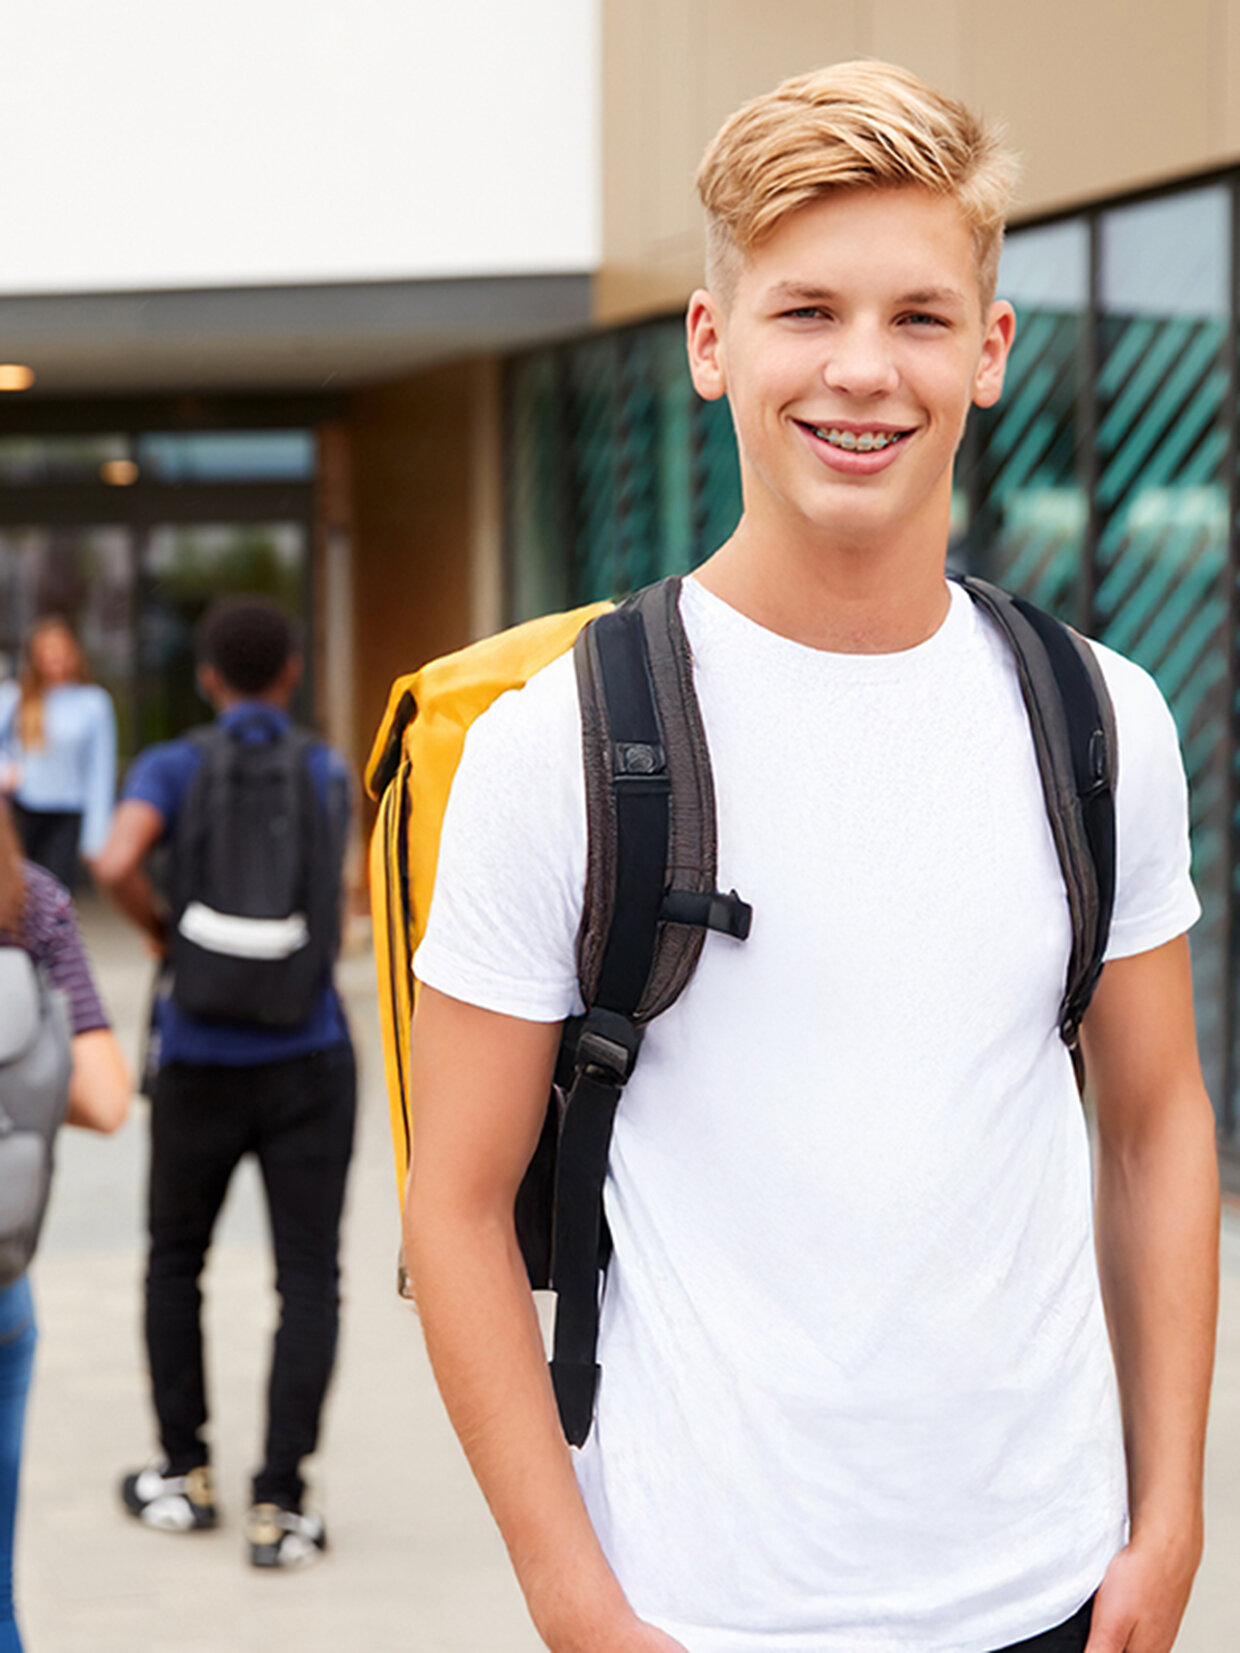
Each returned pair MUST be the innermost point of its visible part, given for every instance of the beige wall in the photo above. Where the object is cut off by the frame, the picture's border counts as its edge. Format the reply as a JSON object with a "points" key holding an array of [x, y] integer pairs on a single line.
{"points": [[1099, 96], [425, 525]]}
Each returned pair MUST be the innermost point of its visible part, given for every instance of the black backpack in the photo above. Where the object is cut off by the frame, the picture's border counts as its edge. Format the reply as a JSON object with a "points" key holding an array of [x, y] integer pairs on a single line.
{"points": [[35, 1064], [254, 881], [651, 897]]}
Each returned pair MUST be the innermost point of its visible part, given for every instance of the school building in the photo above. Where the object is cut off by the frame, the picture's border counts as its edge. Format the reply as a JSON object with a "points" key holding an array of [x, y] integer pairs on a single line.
{"points": [[378, 309]]}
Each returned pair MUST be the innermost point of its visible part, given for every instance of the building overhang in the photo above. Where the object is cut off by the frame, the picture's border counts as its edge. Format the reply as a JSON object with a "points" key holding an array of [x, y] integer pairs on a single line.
{"points": [[308, 339]]}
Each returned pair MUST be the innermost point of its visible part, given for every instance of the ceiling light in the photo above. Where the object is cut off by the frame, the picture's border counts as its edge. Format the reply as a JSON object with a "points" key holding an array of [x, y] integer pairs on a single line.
{"points": [[119, 473], [13, 376]]}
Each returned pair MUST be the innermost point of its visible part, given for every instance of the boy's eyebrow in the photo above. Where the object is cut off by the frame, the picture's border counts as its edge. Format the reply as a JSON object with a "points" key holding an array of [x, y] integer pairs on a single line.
{"points": [[796, 292], [935, 295]]}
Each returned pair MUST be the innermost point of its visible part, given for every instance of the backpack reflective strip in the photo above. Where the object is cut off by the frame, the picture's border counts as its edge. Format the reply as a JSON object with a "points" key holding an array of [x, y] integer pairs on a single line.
{"points": [[243, 938]]}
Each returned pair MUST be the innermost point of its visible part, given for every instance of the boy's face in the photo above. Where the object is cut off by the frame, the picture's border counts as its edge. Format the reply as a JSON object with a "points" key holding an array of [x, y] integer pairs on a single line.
{"points": [[851, 351]]}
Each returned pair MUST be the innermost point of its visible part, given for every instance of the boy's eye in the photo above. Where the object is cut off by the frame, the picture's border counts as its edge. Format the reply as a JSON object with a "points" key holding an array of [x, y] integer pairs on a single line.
{"points": [[921, 319], [805, 312]]}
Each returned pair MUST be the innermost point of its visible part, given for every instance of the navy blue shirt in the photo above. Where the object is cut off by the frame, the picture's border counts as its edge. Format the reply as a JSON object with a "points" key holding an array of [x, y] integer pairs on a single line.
{"points": [[159, 777]]}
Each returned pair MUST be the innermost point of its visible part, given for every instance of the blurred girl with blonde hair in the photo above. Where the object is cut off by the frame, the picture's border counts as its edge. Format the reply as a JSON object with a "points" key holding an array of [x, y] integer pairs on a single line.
{"points": [[58, 752]]}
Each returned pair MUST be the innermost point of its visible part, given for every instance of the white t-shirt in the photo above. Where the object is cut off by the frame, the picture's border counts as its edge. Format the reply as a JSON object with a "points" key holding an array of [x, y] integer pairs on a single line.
{"points": [[856, 1394]]}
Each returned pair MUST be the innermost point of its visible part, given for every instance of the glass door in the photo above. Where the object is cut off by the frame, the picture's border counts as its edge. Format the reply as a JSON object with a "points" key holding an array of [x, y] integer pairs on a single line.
{"points": [[132, 534], [86, 575], [184, 568]]}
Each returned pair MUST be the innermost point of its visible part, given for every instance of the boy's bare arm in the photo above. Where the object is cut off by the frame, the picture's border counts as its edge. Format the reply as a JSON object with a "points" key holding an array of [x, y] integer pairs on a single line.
{"points": [[1157, 1231], [479, 1084], [118, 868]]}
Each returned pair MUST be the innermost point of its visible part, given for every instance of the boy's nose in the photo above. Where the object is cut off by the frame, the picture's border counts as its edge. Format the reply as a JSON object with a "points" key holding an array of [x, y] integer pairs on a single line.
{"points": [[859, 363]]}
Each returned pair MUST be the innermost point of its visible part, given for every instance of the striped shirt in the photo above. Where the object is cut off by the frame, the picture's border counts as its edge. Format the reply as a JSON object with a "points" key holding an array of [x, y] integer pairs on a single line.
{"points": [[49, 933]]}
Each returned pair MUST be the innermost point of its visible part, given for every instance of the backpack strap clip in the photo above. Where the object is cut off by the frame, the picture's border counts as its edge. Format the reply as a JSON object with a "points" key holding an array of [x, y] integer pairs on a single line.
{"points": [[727, 914], [607, 1045]]}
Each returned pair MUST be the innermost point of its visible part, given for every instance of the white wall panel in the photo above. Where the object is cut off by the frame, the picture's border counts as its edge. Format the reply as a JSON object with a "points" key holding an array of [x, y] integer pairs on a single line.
{"points": [[199, 143]]}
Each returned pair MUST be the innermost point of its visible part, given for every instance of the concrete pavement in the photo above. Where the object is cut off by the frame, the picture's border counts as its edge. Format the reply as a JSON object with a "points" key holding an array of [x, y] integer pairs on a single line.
{"points": [[415, 1565]]}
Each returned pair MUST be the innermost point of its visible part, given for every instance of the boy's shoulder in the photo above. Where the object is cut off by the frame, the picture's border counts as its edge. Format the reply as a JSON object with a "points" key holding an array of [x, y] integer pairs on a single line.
{"points": [[334, 764], [1141, 708], [534, 718], [159, 774]]}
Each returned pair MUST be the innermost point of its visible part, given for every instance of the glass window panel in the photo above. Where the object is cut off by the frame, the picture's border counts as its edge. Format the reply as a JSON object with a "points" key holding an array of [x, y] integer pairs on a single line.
{"points": [[535, 502], [184, 569], [227, 456], [616, 473], [1167, 257], [1046, 268], [1032, 514], [592, 385], [86, 575], [1162, 495], [34, 460]]}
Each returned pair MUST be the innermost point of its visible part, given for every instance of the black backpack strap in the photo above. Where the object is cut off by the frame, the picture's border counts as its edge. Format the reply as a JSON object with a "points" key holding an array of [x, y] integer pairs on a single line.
{"points": [[1073, 725], [650, 808], [190, 831]]}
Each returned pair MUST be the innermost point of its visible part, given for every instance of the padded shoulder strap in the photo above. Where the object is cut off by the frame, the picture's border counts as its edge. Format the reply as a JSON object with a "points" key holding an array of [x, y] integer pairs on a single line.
{"points": [[643, 739], [628, 804], [1073, 725], [650, 896]]}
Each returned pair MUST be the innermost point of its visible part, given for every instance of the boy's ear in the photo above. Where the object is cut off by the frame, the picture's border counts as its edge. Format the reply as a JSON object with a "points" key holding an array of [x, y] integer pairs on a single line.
{"points": [[290, 676], [1000, 331], [209, 685], [704, 337]]}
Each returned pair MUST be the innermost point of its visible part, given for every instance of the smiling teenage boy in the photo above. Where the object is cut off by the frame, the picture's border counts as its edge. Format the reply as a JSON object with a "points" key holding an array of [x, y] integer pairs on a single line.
{"points": [[857, 1388]]}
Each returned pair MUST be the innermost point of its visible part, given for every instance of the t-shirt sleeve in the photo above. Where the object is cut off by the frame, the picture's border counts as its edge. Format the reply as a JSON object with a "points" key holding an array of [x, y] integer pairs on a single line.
{"points": [[509, 885], [1154, 896], [159, 776], [55, 941]]}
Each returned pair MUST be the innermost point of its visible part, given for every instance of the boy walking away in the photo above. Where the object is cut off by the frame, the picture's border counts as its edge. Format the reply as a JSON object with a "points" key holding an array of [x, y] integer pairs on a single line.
{"points": [[855, 1386], [254, 1055]]}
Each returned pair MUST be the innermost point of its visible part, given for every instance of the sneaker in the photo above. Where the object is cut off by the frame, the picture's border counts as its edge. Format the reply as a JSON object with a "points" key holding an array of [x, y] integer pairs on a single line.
{"points": [[283, 1538], [173, 1503]]}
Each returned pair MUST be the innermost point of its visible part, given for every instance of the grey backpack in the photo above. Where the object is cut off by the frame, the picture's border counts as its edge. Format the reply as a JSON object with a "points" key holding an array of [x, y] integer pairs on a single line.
{"points": [[35, 1062]]}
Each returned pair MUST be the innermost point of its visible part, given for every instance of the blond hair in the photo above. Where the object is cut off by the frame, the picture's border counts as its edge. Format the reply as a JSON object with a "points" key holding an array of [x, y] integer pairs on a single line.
{"points": [[30, 726], [863, 125]]}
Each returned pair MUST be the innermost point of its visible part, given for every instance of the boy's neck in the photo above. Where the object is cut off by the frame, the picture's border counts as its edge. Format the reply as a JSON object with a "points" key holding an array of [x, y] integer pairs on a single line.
{"points": [[840, 598]]}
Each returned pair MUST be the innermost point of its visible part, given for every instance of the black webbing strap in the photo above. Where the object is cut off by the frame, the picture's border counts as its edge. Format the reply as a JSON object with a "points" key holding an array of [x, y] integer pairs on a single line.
{"points": [[608, 1039], [727, 914], [1073, 727], [1092, 768]]}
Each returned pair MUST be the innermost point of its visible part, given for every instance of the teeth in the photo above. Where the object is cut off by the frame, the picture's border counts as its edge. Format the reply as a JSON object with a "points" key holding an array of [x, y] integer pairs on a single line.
{"points": [[865, 442]]}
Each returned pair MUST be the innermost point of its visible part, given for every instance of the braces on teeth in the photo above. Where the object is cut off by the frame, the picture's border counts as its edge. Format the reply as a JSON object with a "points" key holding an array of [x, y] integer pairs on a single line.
{"points": [[866, 442]]}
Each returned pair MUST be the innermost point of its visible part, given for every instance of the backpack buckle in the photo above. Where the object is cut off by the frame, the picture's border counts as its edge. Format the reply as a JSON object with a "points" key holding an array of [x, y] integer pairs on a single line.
{"points": [[637, 760], [607, 1045]]}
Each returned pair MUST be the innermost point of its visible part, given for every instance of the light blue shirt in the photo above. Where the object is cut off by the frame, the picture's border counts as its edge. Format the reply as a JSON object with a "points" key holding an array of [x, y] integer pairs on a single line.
{"points": [[75, 769]]}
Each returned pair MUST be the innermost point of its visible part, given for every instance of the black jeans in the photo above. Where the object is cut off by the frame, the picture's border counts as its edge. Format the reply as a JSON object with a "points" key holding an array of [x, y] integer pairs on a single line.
{"points": [[50, 838], [1068, 1637], [297, 1118]]}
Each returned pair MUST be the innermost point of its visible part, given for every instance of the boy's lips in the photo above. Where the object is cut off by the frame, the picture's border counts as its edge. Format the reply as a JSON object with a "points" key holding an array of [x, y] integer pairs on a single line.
{"points": [[853, 448]]}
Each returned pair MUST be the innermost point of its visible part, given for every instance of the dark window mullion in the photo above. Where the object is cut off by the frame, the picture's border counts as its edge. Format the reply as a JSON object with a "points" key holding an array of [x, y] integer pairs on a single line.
{"points": [[1231, 1076], [1087, 427]]}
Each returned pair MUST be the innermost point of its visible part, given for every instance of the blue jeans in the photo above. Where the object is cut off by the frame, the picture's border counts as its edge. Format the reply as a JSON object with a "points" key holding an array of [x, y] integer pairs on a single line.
{"points": [[17, 1339]]}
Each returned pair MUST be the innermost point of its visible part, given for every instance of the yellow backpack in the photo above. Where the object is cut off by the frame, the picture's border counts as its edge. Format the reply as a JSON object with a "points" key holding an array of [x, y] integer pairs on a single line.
{"points": [[410, 770]]}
